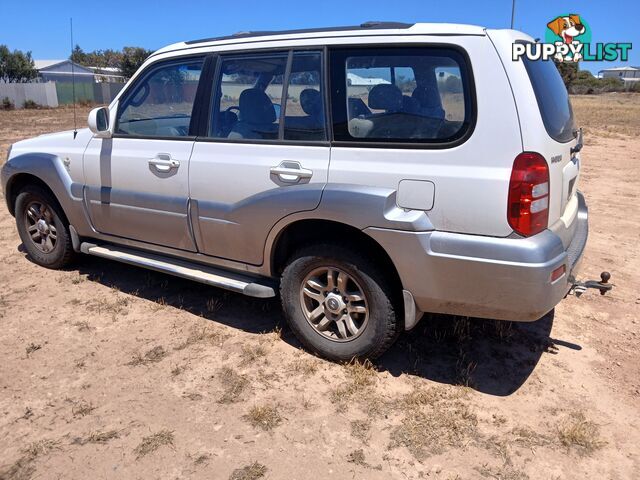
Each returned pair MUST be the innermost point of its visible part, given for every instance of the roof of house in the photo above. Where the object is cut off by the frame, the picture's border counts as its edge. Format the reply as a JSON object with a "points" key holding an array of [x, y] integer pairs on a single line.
{"points": [[42, 64], [617, 69]]}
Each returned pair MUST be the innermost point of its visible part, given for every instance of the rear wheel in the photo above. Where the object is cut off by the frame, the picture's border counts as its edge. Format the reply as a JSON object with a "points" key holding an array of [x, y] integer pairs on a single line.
{"points": [[43, 228], [339, 303]]}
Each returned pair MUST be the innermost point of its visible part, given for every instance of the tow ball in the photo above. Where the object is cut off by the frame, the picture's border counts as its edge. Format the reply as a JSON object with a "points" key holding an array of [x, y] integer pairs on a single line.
{"points": [[578, 288]]}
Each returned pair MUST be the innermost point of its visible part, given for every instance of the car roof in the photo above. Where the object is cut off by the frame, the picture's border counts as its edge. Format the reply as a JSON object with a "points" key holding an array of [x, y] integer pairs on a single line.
{"points": [[364, 29]]}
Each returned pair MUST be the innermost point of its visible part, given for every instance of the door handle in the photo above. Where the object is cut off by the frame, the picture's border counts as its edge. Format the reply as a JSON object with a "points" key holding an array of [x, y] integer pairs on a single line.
{"points": [[290, 172], [164, 163]]}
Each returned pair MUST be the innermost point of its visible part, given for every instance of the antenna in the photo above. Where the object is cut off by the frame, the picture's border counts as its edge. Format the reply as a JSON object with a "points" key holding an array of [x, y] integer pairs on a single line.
{"points": [[73, 85], [513, 12]]}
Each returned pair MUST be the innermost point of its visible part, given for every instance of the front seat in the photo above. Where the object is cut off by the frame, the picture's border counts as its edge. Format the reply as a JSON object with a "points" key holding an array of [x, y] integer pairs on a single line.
{"points": [[257, 115], [428, 96], [311, 103]]}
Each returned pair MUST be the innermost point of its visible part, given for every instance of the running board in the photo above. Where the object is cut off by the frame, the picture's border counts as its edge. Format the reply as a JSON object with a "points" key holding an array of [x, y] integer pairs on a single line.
{"points": [[180, 268]]}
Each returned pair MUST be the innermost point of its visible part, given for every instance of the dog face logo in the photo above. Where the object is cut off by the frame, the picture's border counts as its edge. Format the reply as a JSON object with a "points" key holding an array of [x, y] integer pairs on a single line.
{"points": [[567, 28]]}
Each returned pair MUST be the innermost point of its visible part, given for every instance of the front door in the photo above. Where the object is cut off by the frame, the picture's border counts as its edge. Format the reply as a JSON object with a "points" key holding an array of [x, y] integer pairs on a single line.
{"points": [[264, 157], [137, 183]]}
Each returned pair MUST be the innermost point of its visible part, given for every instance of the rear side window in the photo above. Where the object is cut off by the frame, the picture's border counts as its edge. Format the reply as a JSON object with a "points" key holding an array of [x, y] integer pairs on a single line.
{"points": [[553, 99], [161, 102], [404, 95], [275, 96]]}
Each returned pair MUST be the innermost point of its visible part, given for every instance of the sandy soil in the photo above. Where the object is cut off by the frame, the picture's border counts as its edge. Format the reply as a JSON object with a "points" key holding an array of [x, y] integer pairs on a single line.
{"points": [[109, 371]]}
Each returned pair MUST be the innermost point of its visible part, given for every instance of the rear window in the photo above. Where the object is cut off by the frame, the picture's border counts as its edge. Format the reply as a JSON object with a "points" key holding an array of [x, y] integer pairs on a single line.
{"points": [[404, 95], [553, 99]]}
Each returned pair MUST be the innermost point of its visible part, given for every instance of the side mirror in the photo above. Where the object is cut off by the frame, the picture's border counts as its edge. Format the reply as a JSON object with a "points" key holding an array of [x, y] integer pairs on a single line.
{"points": [[99, 122]]}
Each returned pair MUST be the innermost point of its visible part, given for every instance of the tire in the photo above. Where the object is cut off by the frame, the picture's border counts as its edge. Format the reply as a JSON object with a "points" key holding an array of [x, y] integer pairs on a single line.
{"points": [[43, 228], [302, 298]]}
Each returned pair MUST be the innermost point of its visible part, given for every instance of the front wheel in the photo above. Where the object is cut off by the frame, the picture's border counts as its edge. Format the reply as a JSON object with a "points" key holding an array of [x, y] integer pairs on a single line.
{"points": [[339, 303], [43, 228]]}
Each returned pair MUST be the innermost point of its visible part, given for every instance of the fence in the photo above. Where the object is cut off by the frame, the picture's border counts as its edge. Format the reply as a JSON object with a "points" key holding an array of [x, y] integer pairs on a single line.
{"points": [[52, 94], [41, 93]]}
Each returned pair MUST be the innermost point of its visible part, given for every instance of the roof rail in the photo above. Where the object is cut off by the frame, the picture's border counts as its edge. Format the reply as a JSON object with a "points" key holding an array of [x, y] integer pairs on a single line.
{"points": [[363, 26]]}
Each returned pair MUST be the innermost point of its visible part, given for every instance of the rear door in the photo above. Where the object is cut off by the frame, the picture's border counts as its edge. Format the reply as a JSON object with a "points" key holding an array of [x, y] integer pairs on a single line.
{"points": [[262, 157], [136, 183]]}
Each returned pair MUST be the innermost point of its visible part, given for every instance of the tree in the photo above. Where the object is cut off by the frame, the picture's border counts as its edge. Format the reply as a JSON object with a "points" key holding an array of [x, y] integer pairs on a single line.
{"points": [[132, 59], [568, 71], [16, 66]]}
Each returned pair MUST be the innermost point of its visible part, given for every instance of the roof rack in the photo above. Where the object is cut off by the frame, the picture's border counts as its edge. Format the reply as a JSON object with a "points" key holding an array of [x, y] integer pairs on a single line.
{"points": [[371, 25]]}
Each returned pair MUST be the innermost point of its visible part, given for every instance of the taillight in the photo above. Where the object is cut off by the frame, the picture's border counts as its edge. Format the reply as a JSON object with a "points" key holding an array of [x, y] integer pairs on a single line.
{"points": [[528, 207]]}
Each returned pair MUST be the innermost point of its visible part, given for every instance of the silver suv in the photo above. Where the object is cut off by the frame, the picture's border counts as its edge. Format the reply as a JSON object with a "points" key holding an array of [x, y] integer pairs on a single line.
{"points": [[369, 173]]}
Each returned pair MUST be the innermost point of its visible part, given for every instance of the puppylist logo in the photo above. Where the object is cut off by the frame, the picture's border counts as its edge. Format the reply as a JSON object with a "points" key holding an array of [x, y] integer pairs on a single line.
{"points": [[568, 39]]}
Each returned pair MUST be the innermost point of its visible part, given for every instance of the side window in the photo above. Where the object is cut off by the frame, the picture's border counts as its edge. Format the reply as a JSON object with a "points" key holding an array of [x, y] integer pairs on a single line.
{"points": [[413, 94], [161, 102], [248, 99], [304, 114]]}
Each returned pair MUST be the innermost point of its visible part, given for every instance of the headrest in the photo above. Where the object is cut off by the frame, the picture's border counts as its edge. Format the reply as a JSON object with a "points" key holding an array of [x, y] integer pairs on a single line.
{"points": [[428, 97], [410, 105], [256, 107], [311, 101], [385, 97]]}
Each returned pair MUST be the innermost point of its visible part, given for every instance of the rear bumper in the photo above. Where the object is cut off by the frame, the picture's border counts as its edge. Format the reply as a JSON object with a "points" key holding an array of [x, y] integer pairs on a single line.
{"points": [[499, 278]]}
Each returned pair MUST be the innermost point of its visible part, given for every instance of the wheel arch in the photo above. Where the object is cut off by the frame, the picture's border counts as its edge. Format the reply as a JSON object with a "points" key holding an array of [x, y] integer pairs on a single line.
{"points": [[18, 182], [308, 231]]}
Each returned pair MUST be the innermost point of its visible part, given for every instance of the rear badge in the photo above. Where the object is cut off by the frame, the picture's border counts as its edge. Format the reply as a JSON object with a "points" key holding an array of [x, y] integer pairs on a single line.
{"points": [[556, 159]]}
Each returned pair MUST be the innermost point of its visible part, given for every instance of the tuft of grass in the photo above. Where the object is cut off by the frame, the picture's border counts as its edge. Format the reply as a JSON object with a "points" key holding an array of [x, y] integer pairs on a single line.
{"points": [[177, 370], [265, 417], [361, 377], [153, 442], [154, 355], [251, 353], [98, 437], [506, 472], [234, 385], [304, 366], [357, 457], [82, 326], [24, 468], [250, 472], [577, 432], [32, 347], [361, 429], [82, 408], [214, 304], [199, 335], [433, 420]]}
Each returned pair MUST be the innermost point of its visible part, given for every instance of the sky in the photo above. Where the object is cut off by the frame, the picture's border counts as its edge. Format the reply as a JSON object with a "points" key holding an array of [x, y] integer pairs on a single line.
{"points": [[42, 27]]}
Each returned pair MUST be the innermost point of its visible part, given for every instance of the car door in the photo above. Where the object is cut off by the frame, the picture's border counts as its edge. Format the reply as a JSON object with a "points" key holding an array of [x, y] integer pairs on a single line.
{"points": [[263, 157], [136, 183]]}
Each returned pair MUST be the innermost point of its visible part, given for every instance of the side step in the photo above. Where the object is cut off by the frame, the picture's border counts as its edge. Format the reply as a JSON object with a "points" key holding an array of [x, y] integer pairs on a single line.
{"points": [[180, 268]]}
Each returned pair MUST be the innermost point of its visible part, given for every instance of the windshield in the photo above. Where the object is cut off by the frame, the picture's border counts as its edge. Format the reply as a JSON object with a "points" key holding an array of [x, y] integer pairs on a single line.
{"points": [[553, 99]]}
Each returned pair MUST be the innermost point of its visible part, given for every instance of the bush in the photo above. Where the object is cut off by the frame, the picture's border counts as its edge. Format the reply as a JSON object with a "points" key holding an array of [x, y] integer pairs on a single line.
{"points": [[30, 104], [7, 104]]}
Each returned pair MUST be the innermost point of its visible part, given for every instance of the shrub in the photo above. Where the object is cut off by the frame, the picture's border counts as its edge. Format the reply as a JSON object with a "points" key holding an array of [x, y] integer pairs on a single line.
{"points": [[30, 104], [7, 104]]}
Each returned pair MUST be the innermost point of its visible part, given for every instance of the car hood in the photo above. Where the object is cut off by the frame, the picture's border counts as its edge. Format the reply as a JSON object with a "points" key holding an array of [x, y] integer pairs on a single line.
{"points": [[54, 143]]}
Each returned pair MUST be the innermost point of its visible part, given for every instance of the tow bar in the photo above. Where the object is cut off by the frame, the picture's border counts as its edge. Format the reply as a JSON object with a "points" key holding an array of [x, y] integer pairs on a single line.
{"points": [[578, 288]]}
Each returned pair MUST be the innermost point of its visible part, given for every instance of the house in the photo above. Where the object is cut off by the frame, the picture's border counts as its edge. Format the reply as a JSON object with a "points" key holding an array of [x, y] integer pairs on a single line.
{"points": [[357, 80], [626, 74], [61, 71]]}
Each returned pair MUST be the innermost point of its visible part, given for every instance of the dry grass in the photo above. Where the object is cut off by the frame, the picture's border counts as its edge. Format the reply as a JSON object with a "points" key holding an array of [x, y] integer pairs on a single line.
{"points": [[153, 442], [305, 366], [82, 326], [250, 472], [434, 420], [357, 457], [608, 115], [154, 355], [251, 353], [24, 468], [361, 430], [32, 347], [265, 417], [361, 378], [234, 385], [200, 335], [577, 432], [82, 408], [98, 437]]}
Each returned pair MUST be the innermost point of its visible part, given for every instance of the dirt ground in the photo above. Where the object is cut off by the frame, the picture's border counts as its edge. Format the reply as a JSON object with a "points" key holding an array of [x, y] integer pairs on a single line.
{"points": [[110, 371]]}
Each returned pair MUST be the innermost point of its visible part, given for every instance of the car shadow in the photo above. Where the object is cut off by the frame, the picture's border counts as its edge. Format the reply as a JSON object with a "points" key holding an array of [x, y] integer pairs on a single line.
{"points": [[492, 357]]}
